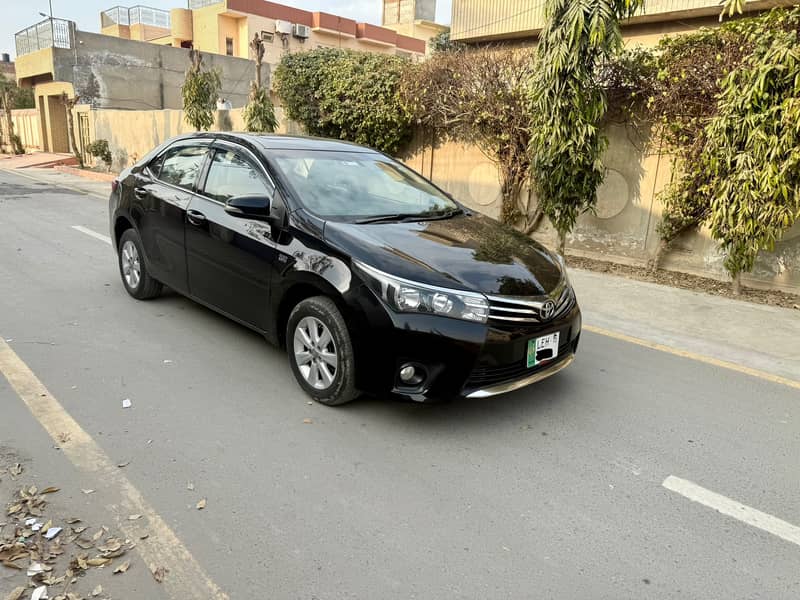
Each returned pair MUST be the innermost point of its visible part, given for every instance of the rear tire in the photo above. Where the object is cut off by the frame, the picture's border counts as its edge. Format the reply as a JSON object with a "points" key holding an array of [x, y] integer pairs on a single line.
{"points": [[320, 351], [132, 268]]}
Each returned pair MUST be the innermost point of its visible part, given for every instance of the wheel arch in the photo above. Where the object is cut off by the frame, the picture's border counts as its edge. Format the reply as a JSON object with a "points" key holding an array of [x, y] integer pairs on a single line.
{"points": [[121, 224], [295, 293]]}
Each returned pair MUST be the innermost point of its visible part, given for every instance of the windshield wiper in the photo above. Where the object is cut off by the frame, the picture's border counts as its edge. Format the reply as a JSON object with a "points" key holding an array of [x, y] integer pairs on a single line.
{"points": [[409, 217], [386, 218]]}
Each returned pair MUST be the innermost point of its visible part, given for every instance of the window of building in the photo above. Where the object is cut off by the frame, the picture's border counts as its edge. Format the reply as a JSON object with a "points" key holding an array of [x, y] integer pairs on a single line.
{"points": [[181, 166], [229, 176], [267, 37], [229, 46]]}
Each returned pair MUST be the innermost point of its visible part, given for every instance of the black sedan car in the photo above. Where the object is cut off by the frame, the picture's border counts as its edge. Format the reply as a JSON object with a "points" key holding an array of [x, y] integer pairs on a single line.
{"points": [[371, 277]]}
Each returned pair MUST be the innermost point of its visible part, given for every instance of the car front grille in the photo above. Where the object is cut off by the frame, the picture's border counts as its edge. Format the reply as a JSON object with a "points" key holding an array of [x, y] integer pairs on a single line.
{"points": [[510, 310], [482, 377]]}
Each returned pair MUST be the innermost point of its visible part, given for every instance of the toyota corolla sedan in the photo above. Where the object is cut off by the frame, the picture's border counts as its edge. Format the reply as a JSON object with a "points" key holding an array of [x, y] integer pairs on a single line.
{"points": [[372, 278]]}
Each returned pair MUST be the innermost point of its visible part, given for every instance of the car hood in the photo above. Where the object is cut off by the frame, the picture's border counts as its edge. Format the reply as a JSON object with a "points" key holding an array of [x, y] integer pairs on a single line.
{"points": [[468, 252]]}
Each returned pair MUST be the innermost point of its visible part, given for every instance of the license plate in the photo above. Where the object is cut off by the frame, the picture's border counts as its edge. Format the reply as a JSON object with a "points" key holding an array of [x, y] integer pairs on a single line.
{"points": [[543, 349]]}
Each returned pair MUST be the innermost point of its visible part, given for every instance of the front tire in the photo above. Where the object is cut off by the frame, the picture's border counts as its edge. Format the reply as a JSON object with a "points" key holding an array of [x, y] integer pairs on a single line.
{"points": [[132, 268], [320, 351]]}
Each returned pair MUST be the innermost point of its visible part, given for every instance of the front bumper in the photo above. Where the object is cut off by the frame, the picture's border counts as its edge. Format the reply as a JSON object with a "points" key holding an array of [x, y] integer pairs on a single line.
{"points": [[510, 386], [462, 359]]}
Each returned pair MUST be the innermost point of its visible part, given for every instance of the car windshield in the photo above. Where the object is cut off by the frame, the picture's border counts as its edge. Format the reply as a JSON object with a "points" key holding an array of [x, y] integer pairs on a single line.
{"points": [[356, 186]]}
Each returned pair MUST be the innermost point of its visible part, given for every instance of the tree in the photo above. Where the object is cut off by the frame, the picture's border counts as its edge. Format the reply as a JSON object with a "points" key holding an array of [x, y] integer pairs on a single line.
{"points": [[8, 90], [69, 104], [751, 155], [568, 105], [480, 97], [200, 91], [720, 104], [441, 42], [347, 95], [259, 114]]}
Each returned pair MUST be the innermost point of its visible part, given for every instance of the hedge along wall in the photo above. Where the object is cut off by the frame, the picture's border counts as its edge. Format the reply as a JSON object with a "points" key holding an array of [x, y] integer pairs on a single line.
{"points": [[628, 210]]}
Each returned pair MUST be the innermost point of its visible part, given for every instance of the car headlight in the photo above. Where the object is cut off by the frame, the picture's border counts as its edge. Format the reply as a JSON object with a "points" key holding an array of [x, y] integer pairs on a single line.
{"points": [[407, 296]]}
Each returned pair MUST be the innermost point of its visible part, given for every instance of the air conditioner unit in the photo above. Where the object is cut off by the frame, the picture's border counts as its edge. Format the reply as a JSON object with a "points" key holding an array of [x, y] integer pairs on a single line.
{"points": [[284, 27], [301, 31]]}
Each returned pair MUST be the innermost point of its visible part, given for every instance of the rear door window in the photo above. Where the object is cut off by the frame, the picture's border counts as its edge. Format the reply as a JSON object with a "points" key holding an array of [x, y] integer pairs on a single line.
{"points": [[181, 166], [229, 175]]}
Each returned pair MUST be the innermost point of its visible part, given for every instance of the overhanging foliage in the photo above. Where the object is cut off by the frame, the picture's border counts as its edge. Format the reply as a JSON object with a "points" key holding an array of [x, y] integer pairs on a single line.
{"points": [[479, 97], [568, 105]]}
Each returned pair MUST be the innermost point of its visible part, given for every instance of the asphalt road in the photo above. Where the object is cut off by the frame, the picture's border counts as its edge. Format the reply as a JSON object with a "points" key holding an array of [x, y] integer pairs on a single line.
{"points": [[555, 491]]}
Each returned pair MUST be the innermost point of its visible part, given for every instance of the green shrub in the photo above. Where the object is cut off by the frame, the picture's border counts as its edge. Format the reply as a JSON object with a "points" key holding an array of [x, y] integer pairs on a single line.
{"points": [[100, 150], [347, 95]]}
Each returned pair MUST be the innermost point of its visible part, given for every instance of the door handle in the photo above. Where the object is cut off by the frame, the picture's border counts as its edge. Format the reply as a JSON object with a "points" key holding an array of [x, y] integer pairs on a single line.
{"points": [[140, 192], [195, 217]]}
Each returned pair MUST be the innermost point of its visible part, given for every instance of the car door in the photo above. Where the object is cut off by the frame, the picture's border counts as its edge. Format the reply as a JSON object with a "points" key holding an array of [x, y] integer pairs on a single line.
{"points": [[162, 192], [230, 258]]}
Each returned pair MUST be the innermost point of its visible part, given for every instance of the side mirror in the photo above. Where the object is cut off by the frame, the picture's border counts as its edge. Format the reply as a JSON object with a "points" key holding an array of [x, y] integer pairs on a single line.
{"points": [[253, 206]]}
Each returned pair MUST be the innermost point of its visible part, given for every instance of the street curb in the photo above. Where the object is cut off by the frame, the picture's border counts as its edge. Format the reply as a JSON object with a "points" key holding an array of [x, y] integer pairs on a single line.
{"points": [[93, 175]]}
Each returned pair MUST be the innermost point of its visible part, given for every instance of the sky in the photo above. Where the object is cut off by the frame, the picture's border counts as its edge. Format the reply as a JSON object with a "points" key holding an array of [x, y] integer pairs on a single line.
{"points": [[17, 15]]}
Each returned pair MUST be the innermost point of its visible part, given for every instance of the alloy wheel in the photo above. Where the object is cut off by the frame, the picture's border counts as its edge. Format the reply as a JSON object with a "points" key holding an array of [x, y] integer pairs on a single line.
{"points": [[315, 353], [131, 269]]}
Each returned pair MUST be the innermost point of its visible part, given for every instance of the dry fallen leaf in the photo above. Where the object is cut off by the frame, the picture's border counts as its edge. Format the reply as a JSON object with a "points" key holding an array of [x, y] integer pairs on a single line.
{"points": [[202, 504], [88, 491], [144, 536], [123, 464], [97, 591], [307, 421], [98, 561], [15, 470], [134, 517], [16, 593], [160, 573], [50, 490], [190, 486], [123, 567]]}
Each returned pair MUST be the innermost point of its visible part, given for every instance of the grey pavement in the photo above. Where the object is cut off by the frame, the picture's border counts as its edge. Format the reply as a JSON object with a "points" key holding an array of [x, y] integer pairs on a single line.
{"points": [[554, 491], [753, 335]]}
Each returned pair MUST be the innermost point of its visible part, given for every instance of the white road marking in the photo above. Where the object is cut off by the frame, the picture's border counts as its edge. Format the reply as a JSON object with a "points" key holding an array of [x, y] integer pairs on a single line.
{"points": [[732, 508], [94, 234]]}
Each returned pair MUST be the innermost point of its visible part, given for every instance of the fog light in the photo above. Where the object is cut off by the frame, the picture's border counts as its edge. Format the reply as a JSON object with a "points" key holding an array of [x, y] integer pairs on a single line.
{"points": [[408, 374]]}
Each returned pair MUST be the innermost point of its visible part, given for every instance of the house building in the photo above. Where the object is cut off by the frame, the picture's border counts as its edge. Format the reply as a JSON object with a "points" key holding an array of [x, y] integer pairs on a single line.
{"points": [[414, 18], [519, 21], [55, 57], [227, 27]]}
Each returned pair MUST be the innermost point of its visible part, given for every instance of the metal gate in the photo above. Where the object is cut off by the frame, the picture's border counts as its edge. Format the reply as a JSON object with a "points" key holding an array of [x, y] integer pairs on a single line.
{"points": [[83, 128]]}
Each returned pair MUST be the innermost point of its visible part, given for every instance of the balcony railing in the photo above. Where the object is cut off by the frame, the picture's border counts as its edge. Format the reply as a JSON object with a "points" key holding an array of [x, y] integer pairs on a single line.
{"points": [[50, 33], [195, 4], [135, 15]]}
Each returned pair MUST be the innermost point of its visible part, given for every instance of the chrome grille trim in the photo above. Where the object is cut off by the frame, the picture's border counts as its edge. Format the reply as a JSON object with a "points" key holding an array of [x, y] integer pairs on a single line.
{"points": [[522, 309]]}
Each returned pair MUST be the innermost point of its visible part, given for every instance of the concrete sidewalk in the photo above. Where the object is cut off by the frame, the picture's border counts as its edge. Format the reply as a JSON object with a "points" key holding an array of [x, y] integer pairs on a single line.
{"points": [[751, 335], [54, 177]]}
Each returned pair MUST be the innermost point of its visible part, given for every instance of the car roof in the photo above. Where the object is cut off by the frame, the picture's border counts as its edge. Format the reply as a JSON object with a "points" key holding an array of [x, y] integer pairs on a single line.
{"points": [[282, 142]]}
